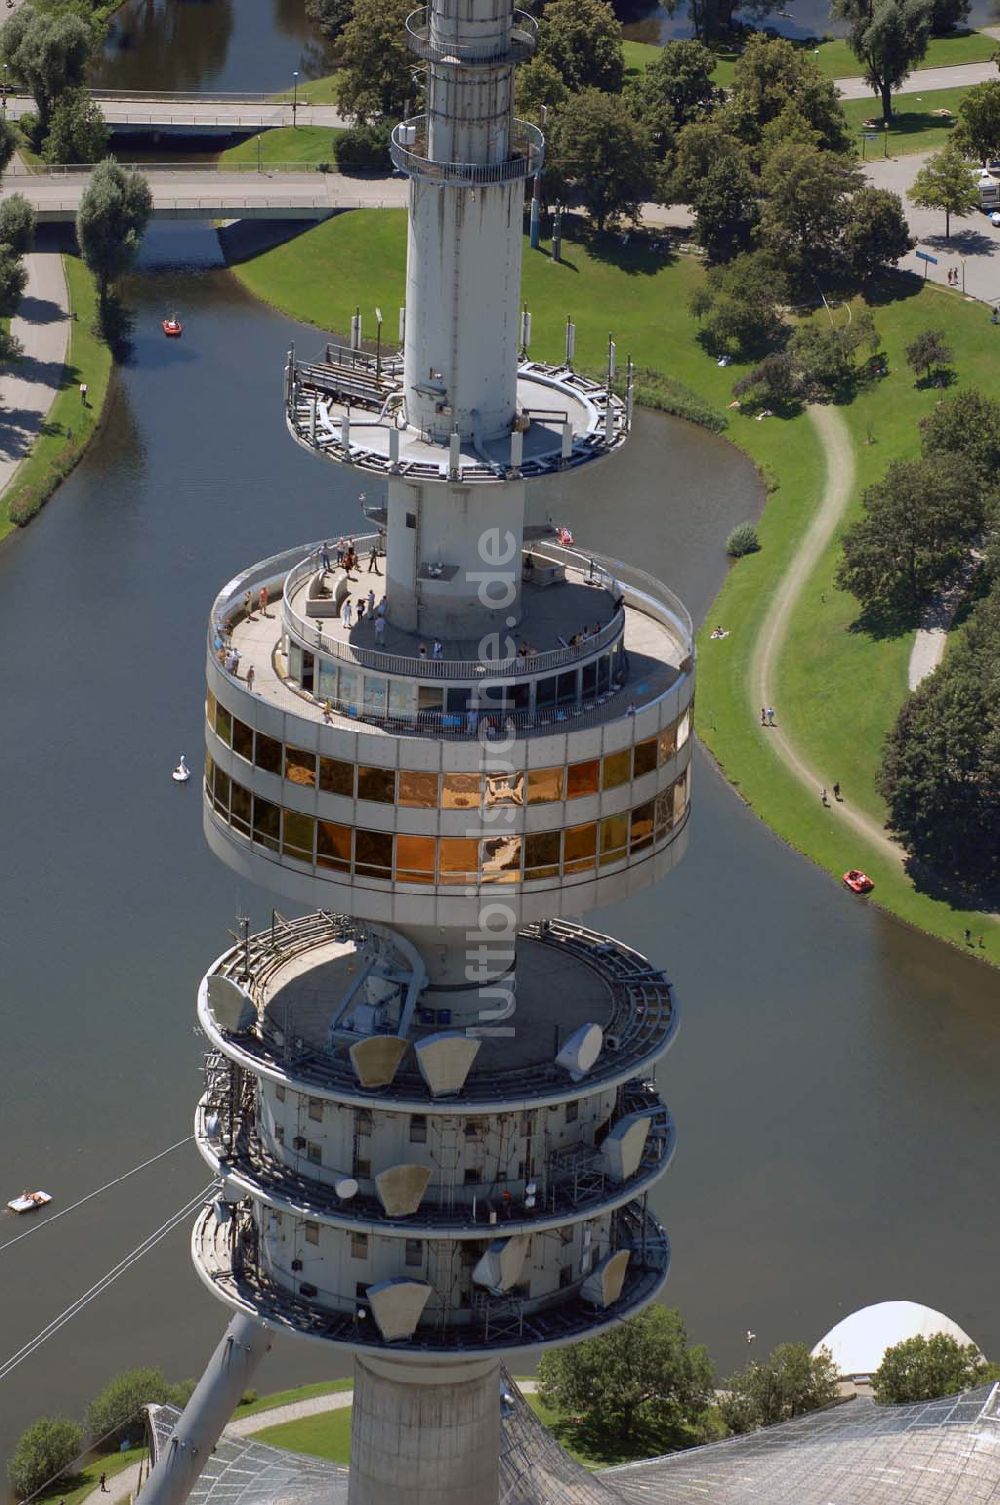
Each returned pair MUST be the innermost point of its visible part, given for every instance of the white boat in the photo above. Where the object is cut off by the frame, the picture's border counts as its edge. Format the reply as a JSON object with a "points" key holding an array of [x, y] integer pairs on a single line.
{"points": [[181, 773], [29, 1201]]}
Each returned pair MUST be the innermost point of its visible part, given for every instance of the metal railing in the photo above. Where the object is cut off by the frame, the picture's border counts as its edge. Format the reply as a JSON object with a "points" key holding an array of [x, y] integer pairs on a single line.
{"points": [[521, 43], [526, 147]]}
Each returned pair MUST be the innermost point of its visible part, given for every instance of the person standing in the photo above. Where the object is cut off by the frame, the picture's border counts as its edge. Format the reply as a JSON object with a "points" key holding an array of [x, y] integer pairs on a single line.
{"points": [[379, 628], [262, 600], [345, 612], [250, 678], [836, 791], [437, 650], [373, 568], [324, 556], [371, 603], [248, 605]]}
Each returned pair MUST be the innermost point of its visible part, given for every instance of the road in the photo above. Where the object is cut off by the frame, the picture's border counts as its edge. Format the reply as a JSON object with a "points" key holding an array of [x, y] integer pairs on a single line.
{"points": [[924, 80], [193, 193], [198, 116], [974, 244]]}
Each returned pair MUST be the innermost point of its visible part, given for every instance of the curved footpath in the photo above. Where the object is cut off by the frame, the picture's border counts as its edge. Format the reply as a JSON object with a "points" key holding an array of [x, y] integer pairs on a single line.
{"points": [[28, 391]]}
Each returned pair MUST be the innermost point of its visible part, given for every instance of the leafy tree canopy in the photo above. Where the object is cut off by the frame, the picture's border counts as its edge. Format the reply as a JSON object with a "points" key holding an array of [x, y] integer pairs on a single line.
{"points": [[597, 144], [675, 89], [17, 224], [823, 355], [923, 1368], [700, 147], [582, 40], [13, 279], [978, 132], [927, 351], [45, 1450], [889, 37], [789, 1383], [771, 75], [49, 50], [726, 206], [875, 233], [330, 16], [8, 143], [376, 78], [945, 182], [740, 307], [967, 424], [805, 208], [539, 87], [116, 1413], [78, 131], [640, 1380], [111, 221]]}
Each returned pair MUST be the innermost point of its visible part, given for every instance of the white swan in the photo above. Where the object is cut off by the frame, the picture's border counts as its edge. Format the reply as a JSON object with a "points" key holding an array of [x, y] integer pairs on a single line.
{"points": [[181, 773]]}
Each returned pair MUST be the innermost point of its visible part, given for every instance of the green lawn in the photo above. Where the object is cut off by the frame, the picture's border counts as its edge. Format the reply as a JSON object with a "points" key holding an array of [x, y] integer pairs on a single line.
{"points": [[836, 60], [915, 127], [319, 91], [70, 1491], [288, 1397], [285, 146], [70, 425]]}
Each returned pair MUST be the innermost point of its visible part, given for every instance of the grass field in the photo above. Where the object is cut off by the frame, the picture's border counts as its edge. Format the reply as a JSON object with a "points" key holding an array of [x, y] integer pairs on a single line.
{"points": [[69, 427], [643, 298], [836, 60], [915, 127], [289, 144], [318, 91], [288, 1397]]}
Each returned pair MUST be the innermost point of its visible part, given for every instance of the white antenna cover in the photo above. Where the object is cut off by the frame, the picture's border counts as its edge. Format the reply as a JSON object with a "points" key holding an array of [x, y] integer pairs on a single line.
{"points": [[345, 1187], [230, 1004], [581, 1050]]}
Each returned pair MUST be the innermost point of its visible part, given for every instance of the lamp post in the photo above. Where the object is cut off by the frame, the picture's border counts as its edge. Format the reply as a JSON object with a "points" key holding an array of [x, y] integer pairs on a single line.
{"points": [[4, 86], [295, 98], [378, 344], [259, 168]]}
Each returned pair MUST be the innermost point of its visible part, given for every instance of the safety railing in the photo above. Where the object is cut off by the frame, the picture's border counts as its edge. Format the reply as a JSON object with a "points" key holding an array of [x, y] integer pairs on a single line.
{"points": [[522, 41], [409, 145]]}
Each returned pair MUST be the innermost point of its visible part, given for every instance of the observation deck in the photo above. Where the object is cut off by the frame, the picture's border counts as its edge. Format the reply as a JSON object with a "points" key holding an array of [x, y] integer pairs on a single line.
{"points": [[409, 148], [568, 976], [226, 1257], [522, 43], [349, 408]]}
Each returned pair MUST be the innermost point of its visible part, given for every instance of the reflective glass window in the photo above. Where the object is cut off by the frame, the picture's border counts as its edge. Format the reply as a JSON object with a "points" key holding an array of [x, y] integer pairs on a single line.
{"points": [[311, 1233], [589, 679], [616, 768], [545, 784], [666, 744], [266, 822], [583, 778], [221, 792], [429, 698], [223, 724], [415, 859], [642, 826], [458, 858], [418, 791], [603, 673], [541, 854], [459, 791], [239, 808], [377, 784], [209, 771], [580, 847], [308, 670], [503, 789], [402, 699], [300, 767], [210, 708], [326, 678], [375, 695], [350, 687], [545, 693], [297, 835], [295, 662], [684, 728], [566, 687], [373, 853], [643, 757], [267, 754], [680, 795], [336, 777], [664, 812], [501, 859], [242, 740], [333, 845], [614, 837]]}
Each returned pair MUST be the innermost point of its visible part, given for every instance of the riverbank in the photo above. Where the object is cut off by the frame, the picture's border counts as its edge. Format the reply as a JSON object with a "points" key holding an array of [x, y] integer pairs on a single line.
{"points": [[837, 692], [69, 424]]}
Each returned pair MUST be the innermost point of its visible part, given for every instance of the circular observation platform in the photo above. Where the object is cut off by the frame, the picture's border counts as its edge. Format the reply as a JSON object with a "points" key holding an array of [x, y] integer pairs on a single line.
{"points": [[573, 1188], [409, 148], [227, 1258], [567, 976], [350, 408], [491, 52]]}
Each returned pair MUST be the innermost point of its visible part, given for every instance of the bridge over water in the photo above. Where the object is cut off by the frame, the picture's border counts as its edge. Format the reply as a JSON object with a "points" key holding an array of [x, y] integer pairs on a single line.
{"points": [[197, 114]]}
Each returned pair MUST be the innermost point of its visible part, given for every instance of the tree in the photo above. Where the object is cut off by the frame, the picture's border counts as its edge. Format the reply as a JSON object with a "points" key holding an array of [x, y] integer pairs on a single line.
{"points": [[49, 51], [978, 131], [377, 76], [789, 1383], [116, 1413], [44, 1451], [110, 223], [914, 531], [945, 182], [78, 132], [675, 89], [929, 350], [823, 355], [967, 424], [726, 207], [924, 1368], [13, 278], [329, 16], [805, 208], [774, 382], [364, 148], [771, 75], [597, 144], [889, 37], [582, 40], [538, 87], [8, 144], [940, 777], [946, 15], [17, 224], [639, 1381], [740, 307], [875, 233], [701, 147]]}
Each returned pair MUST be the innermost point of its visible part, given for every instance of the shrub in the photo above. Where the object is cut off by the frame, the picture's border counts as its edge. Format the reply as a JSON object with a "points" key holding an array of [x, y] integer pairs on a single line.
{"points": [[742, 540], [115, 1415], [924, 1368], [364, 148], [43, 1452]]}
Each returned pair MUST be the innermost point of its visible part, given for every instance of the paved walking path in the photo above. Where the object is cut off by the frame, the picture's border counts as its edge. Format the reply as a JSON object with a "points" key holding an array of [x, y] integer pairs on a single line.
{"points": [[923, 81], [29, 389], [839, 454]]}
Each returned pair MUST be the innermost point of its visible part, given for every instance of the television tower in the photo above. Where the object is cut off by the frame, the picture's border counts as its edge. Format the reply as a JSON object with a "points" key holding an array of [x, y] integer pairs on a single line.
{"points": [[429, 1100]]}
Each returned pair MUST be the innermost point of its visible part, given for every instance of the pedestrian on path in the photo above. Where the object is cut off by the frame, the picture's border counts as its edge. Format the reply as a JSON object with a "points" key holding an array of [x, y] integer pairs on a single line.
{"points": [[763, 716], [83, 394], [262, 600], [379, 629], [324, 556], [770, 715], [968, 936], [373, 568], [371, 603], [345, 612], [822, 795], [250, 678], [104, 1485], [836, 792]]}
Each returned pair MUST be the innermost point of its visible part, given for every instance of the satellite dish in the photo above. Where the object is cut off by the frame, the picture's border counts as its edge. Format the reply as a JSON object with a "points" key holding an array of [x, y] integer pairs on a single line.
{"points": [[223, 1212], [581, 1051], [346, 1187], [212, 1125], [531, 1188]]}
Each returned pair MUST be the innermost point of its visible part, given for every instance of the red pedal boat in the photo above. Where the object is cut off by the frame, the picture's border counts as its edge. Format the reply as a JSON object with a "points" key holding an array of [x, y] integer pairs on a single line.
{"points": [[173, 328], [858, 882]]}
